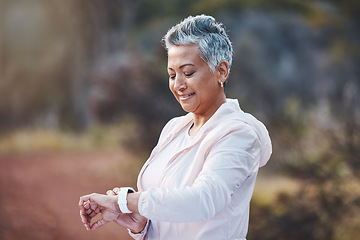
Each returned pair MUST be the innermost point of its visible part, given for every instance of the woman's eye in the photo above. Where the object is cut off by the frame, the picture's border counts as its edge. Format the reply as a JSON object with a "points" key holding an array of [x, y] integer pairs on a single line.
{"points": [[172, 77], [189, 74]]}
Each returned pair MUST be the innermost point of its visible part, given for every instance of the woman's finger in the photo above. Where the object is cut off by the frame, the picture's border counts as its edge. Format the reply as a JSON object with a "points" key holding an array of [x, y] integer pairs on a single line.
{"points": [[116, 190], [84, 199], [98, 224], [93, 205], [86, 204], [93, 214], [85, 220], [110, 193]]}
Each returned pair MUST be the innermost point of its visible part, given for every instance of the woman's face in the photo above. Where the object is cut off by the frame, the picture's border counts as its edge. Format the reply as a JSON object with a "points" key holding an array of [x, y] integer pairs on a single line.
{"points": [[192, 82]]}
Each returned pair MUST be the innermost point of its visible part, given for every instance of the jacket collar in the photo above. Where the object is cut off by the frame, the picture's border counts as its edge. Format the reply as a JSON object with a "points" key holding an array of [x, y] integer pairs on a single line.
{"points": [[231, 106]]}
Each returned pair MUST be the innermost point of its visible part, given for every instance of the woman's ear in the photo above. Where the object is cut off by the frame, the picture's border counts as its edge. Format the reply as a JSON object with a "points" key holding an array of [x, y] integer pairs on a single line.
{"points": [[223, 71]]}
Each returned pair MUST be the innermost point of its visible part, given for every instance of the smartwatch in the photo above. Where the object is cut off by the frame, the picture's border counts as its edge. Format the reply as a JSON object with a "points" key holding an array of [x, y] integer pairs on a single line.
{"points": [[122, 199]]}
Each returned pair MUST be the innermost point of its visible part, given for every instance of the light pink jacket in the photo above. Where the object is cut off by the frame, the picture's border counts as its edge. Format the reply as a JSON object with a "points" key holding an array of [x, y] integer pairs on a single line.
{"points": [[206, 187]]}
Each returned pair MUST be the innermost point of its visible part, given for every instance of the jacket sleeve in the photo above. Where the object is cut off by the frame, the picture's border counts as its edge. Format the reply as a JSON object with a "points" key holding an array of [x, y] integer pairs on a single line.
{"points": [[229, 162], [142, 234]]}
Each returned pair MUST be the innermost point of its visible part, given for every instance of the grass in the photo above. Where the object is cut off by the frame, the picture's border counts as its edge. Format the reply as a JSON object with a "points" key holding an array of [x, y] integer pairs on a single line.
{"points": [[268, 186], [34, 140]]}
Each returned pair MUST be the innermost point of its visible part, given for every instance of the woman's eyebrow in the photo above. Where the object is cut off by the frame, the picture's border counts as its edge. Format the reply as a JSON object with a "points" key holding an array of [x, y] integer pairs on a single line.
{"points": [[186, 64]]}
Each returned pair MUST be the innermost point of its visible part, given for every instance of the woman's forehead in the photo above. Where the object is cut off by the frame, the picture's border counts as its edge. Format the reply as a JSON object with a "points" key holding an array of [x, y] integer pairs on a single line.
{"points": [[183, 55]]}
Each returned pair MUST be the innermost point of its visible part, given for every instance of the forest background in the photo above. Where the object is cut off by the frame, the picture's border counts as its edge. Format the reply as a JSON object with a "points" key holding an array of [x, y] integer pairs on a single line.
{"points": [[84, 95]]}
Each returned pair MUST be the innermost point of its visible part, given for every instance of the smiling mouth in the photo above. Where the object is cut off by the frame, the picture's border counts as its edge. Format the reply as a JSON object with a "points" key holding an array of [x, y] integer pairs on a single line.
{"points": [[185, 97]]}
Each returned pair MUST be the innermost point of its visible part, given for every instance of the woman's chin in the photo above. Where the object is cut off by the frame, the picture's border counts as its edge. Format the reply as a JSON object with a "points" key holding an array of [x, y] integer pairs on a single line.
{"points": [[187, 108]]}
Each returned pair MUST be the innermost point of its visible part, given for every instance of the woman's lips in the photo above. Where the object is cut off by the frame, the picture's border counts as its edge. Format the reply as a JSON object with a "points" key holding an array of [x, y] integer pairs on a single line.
{"points": [[186, 97]]}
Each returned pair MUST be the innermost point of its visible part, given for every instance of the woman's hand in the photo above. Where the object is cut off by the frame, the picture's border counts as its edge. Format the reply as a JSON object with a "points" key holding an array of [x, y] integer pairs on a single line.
{"points": [[93, 204], [133, 221]]}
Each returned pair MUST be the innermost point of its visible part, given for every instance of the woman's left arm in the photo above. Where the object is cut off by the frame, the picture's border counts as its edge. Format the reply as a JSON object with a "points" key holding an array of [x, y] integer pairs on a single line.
{"points": [[229, 163]]}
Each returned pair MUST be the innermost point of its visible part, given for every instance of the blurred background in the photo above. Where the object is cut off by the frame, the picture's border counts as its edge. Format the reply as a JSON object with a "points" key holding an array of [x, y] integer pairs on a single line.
{"points": [[84, 95]]}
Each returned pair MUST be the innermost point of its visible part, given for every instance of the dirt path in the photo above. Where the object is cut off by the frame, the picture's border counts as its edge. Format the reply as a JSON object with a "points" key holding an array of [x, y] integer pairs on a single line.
{"points": [[39, 193]]}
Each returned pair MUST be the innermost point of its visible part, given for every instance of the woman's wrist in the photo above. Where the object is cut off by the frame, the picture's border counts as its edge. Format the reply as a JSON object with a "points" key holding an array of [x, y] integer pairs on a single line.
{"points": [[133, 201], [123, 199], [114, 200]]}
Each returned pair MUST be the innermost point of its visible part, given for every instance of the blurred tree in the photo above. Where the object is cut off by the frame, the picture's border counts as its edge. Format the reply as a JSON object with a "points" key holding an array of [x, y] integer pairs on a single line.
{"points": [[44, 60]]}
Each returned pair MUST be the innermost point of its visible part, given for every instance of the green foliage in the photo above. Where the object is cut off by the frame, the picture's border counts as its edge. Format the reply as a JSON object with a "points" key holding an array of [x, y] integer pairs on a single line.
{"points": [[325, 161], [234, 6], [148, 10], [318, 211]]}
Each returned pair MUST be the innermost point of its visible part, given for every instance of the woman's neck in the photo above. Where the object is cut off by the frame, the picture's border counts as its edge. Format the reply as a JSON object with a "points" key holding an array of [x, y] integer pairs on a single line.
{"points": [[200, 120]]}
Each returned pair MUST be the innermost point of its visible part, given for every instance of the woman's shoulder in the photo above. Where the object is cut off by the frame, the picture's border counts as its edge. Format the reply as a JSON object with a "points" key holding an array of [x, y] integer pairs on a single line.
{"points": [[176, 123], [176, 120]]}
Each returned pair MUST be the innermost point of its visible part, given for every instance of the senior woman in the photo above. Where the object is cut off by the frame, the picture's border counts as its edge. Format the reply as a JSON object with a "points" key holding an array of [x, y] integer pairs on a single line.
{"points": [[199, 179]]}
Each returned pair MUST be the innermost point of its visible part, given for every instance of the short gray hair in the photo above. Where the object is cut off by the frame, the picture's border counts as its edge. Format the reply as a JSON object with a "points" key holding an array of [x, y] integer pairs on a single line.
{"points": [[210, 36]]}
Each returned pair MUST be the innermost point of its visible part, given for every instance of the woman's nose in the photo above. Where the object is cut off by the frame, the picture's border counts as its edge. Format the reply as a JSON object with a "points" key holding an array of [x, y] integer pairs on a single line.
{"points": [[180, 83]]}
